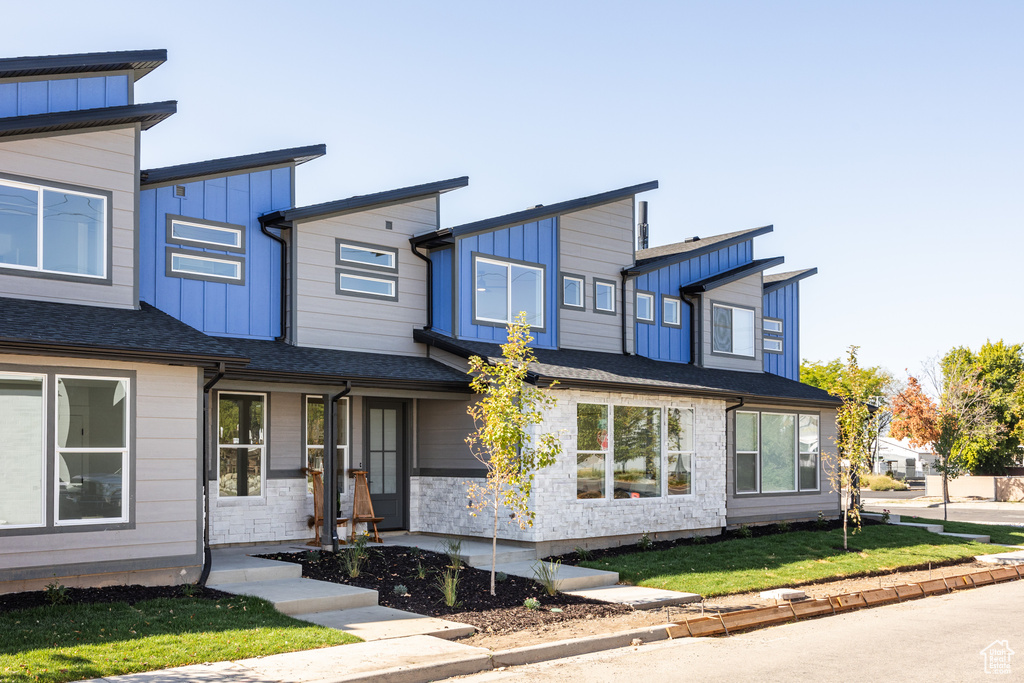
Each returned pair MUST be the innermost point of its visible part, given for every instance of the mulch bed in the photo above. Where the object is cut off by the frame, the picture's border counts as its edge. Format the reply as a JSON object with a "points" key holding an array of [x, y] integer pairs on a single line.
{"points": [[390, 566], [129, 594]]}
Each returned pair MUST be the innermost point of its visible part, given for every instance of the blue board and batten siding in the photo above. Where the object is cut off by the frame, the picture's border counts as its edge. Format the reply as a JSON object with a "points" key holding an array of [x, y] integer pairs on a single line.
{"points": [[673, 343], [68, 94], [784, 303], [250, 310], [441, 289], [535, 243]]}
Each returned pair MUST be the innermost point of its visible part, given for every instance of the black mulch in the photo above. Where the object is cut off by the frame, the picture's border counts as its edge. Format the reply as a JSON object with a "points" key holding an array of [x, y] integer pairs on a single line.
{"points": [[130, 594], [388, 567]]}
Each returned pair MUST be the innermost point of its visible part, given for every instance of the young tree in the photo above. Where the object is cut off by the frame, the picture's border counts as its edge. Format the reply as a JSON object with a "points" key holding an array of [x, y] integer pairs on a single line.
{"points": [[504, 440], [963, 415]]}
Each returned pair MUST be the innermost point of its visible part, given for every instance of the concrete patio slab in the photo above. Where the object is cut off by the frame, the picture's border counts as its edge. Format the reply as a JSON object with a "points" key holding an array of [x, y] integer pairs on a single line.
{"points": [[239, 568], [637, 597], [473, 553], [980, 538], [934, 528], [381, 623], [568, 577], [1002, 558], [304, 596]]}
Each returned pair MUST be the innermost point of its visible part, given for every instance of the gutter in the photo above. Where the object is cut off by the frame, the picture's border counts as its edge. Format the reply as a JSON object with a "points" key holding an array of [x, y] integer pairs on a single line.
{"points": [[413, 244], [43, 348], [264, 225], [331, 466], [207, 558]]}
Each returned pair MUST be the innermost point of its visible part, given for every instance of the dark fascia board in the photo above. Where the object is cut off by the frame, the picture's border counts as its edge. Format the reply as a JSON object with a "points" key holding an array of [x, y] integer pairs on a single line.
{"points": [[795, 276], [118, 353], [139, 61], [715, 281], [669, 259], [364, 382], [535, 214], [147, 114], [303, 213], [294, 155]]}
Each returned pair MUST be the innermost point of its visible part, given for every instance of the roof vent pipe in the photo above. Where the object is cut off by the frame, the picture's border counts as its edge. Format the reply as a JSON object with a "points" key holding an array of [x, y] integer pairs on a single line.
{"points": [[642, 226]]}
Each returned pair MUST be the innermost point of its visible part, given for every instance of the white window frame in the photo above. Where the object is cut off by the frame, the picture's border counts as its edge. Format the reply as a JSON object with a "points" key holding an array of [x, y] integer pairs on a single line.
{"points": [[202, 275], [508, 290], [669, 452], [597, 285], [40, 255], [392, 285], [649, 298], [582, 284], [758, 454], [732, 331], [42, 450], [125, 464], [237, 245], [341, 454], [262, 447], [678, 304], [393, 265]]}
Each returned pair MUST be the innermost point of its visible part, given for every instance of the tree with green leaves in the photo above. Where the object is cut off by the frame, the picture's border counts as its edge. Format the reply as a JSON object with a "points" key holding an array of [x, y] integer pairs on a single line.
{"points": [[505, 442]]}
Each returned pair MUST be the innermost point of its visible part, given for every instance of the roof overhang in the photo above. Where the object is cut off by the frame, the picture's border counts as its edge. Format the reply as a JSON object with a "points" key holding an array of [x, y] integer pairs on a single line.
{"points": [[708, 246], [147, 114], [230, 165], [140, 61], [780, 280], [716, 281], [37, 348]]}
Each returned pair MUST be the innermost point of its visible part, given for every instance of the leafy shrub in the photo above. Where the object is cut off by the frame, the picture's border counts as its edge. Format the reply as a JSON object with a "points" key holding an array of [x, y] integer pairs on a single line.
{"points": [[353, 557], [699, 539], [400, 590], [744, 531], [312, 555], [645, 543], [783, 527], [820, 523], [500, 576], [531, 603], [881, 482], [189, 589], [546, 574], [56, 593], [448, 585]]}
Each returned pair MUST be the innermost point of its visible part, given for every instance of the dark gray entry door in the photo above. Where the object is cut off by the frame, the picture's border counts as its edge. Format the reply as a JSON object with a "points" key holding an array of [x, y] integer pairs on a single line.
{"points": [[385, 462]]}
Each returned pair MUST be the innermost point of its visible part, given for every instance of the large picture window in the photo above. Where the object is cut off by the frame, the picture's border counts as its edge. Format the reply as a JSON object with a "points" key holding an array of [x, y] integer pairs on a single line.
{"points": [[242, 444], [504, 289], [315, 430], [53, 230], [23, 450], [637, 452], [732, 330], [777, 452]]}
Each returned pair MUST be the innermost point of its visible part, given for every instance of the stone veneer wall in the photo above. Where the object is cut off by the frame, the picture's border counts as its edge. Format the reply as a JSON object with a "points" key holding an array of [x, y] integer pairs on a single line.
{"points": [[279, 515], [438, 504]]}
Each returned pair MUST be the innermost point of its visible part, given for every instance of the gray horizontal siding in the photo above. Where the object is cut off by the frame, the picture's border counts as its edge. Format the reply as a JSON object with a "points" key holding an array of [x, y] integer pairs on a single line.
{"points": [[746, 293], [441, 442]]}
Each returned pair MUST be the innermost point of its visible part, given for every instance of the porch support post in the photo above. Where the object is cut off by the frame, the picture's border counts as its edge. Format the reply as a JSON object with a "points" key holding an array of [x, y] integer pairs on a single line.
{"points": [[330, 530]]}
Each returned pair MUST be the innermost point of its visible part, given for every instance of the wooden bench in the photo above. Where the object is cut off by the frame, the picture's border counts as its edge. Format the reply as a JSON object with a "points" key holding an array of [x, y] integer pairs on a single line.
{"points": [[362, 506], [318, 508]]}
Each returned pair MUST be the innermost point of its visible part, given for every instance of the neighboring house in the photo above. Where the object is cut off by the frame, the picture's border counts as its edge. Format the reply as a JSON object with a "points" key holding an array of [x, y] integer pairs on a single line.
{"points": [[182, 333], [902, 459]]}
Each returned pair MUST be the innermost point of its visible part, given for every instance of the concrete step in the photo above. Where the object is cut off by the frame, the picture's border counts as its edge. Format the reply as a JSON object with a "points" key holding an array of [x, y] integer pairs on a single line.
{"points": [[381, 623], [638, 597], [304, 596], [238, 568], [980, 538], [568, 577], [934, 528]]}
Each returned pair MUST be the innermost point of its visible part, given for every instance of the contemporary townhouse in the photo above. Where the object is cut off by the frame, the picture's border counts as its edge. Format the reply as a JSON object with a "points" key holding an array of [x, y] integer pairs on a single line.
{"points": [[179, 345]]}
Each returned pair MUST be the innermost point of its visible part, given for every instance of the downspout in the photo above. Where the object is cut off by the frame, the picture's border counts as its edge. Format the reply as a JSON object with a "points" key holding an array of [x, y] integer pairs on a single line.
{"points": [[430, 285], [330, 466], [207, 559], [694, 338], [625, 346], [284, 276], [727, 411]]}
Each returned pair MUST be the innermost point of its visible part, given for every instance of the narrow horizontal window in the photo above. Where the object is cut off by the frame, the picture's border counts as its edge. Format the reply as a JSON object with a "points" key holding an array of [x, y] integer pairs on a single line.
{"points": [[604, 296], [773, 344], [210, 268], [572, 291], [670, 314], [772, 325], [366, 255], [355, 284], [772, 340], [220, 236], [645, 307]]}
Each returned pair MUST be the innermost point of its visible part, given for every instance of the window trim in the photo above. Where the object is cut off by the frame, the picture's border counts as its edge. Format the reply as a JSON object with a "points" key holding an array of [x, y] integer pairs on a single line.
{"points": [[614, 285], [264, 447], [508, 263], [772, 335], [798, 491], [692, 453], [169, 271], [665, 298], [364, 246], [107, 250], [43, 453], [650, 296], [582, 306], [363, 275], [343, 463], [234, 228], [753, 331]]}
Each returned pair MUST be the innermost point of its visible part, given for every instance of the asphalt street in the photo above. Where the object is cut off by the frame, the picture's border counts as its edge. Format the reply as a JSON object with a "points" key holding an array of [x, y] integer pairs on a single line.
{"points": [[939, 638], [958, 512]]}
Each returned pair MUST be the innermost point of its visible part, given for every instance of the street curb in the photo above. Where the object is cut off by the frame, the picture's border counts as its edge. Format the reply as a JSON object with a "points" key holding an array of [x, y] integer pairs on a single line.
{"points": [[421, 673], [532, 654]]}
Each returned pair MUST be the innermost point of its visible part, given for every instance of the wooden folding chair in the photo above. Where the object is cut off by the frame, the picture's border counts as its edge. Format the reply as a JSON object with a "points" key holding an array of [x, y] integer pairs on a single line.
{"points": [[318, 507]]}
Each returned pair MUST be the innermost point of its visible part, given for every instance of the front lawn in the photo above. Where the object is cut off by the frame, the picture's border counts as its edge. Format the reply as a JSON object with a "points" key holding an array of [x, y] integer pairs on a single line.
{"points": [[740, 565], [71, 642], [1008, 535]]}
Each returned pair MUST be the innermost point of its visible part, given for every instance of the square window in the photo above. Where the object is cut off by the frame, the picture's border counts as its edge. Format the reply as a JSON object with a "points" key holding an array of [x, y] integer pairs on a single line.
{"points": [[572, 291], [732, 330], [604, 296], [503, 290], [645, 307]]}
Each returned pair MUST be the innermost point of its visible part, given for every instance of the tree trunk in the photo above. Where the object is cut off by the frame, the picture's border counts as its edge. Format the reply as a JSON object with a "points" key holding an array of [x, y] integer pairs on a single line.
{"points": [[846, 516], [945, 495], [494, 544]]}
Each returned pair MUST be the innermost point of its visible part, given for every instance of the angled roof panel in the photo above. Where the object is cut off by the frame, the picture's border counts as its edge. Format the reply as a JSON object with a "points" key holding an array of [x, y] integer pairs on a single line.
{"points": [[141, 61], [780, 280], [656, 257], [724, 278], [169, 174], [147, 114]]}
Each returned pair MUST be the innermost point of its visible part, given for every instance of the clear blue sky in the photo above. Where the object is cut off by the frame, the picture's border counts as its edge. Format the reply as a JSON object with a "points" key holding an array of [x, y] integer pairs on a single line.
{"points": [[884, 140]]}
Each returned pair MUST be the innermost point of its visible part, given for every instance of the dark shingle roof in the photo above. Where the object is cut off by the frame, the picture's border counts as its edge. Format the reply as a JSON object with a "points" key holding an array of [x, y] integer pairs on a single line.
{"points": [[593, 369], [127, 334], [168, 174], [780, 280], [363, 201], [655, 257], [274, 359], [147, 114], [142, 61], [724, 278]]}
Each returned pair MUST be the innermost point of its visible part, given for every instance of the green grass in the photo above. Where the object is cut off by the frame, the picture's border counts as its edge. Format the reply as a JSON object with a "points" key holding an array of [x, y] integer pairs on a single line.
{"points": [[72, 642], [1009, 535], [788, 559]]}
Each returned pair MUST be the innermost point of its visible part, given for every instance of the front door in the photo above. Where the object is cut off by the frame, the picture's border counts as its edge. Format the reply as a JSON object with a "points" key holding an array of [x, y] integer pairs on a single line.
{"points": [[385, 464]]}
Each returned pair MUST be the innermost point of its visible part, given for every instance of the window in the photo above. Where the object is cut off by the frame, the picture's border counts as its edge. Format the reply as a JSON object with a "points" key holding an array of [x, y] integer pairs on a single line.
{"points": [[51, 230], [192, 232], [637, 452], [680, 451], [242, 444], [91, 449], [604, 296], [572, 291], [776, 452], [732, 330], [352, 283], [209, 268], [670, 316], [366, 255], [504, 289], [22, 458], [591, 449], [645, 307], [772, 338], [315, 437]]}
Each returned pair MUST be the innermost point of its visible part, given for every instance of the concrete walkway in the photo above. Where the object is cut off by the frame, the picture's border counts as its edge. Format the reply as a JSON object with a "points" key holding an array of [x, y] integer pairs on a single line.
{"points": [[474, 553]]}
